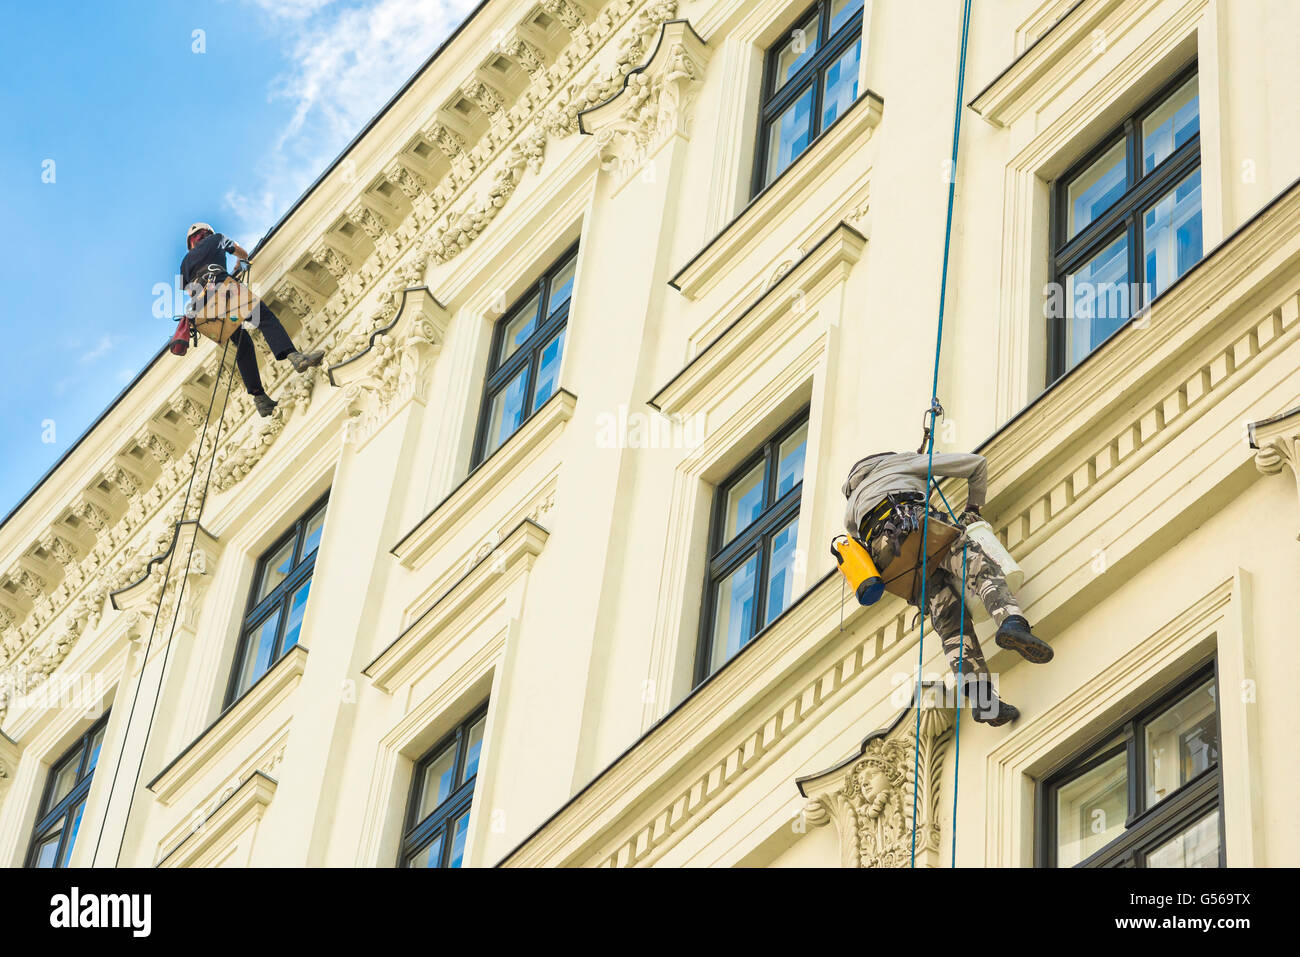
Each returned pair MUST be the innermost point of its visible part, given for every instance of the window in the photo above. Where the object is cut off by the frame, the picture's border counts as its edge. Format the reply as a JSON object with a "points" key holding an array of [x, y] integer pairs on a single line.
{"points": [[527, 347], [437, 821], [278, 600], [1149, 796], [752, 547], [65, 800], [810, 79], [1127, 223]]}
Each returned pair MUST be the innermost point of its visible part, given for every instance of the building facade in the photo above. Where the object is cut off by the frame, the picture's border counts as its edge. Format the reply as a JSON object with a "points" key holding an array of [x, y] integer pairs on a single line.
{"points": [[534, 571]]}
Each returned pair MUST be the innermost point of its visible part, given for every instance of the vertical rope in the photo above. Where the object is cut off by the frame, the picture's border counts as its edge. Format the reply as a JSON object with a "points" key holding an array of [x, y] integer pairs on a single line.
{"points": [[189, 488], [933, 412]]}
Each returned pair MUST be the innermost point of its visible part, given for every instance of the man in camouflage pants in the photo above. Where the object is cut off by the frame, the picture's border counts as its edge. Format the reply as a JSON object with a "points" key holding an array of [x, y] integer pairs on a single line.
{"points": [[887, 499]]}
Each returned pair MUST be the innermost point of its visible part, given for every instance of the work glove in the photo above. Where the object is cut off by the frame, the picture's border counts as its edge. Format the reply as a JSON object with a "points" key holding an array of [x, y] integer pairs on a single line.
{"points": [[971, 515]]}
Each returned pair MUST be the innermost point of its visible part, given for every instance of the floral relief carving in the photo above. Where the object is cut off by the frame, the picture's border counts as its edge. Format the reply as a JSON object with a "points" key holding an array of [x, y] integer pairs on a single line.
{"points": [[869, 798]]}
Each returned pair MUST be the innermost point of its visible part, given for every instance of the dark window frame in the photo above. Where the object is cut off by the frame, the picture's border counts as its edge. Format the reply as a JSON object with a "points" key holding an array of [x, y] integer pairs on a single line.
{"points": [[1144, 827], [1121, 219], [528, 354], [417, 835], [256, 610], [773, 102], [49, 816], [756, 538]]}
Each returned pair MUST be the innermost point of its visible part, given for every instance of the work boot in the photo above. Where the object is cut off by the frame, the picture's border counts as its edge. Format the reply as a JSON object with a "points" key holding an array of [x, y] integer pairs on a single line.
{"points": [[1014, 634], [987, 707], [265, 404], [301, 362]]}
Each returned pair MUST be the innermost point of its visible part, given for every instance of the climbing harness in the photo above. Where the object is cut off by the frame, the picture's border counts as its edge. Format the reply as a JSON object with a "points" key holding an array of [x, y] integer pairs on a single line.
{"points": [[171, 556], [934, 411]]}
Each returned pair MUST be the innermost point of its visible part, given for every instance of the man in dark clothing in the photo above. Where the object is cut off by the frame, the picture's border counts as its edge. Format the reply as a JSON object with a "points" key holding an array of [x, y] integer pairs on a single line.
{"points": [[887, 501], [204, 275]]}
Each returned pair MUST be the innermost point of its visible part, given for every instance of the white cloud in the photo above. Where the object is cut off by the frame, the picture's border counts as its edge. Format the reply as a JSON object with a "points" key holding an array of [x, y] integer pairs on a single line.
{"points": [[101, 348], [346, 59]]}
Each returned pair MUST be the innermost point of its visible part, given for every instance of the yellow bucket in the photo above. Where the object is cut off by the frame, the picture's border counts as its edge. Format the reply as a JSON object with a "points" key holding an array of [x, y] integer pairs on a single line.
{"points": [[859, 570]]}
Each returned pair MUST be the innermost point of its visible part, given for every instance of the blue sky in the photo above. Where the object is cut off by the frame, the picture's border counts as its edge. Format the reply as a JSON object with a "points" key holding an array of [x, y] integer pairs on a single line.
{"points": [[104, 166]]}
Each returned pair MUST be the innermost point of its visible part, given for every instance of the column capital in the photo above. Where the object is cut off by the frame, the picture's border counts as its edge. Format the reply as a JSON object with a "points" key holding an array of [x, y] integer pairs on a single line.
{"points": [[868, 797], [653, 105], [1276, 441]]}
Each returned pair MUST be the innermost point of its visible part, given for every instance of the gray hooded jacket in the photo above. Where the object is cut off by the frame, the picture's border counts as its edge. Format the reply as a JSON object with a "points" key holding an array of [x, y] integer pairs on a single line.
{"points": [[872, 478]]}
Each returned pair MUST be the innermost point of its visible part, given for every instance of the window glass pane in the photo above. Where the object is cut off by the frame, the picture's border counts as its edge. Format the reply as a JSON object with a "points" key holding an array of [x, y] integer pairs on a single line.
{"points": [[789, 470], [459, 830], [259, 645], [473, 745], [561, 286], [276, 569], [1095, 190], [518, 328], [733, 612], [428, 856], [65, 778], [1097, 299], [1090, 810], [1170, 125], [842, 11], [797, 50], [1197, 846], [437, 782], [548, 369], [780, 574], [297, 606], [744, 503], [789, 135], [72, 834], [93, 758], [47, 850], [841, 84], [1171, 235], [507, 412], [1180, 743], [311, 536]]}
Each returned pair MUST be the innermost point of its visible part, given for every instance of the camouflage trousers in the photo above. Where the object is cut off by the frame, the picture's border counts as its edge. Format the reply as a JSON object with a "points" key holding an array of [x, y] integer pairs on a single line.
{"points": [[948, 612]]}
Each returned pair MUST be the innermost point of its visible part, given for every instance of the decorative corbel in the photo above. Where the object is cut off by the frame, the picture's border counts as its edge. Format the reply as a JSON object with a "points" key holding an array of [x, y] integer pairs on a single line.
{"points": [[868, 797], [1276, 441], [654, 104], [144, 592], [392, 367]]}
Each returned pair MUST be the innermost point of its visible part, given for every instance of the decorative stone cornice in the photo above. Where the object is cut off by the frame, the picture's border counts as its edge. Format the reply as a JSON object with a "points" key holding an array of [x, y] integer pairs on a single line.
{"points": [[869, 796], [392, 364], [1276, 441], [132, 488], [653, 105]]}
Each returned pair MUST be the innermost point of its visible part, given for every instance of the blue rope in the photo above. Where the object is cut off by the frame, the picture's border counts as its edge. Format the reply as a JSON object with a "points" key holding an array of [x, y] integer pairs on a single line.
{"points": [[934, 406]]}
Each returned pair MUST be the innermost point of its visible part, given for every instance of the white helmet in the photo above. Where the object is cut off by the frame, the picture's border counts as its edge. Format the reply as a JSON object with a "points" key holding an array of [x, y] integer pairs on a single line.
{"points": [[196, 228]]}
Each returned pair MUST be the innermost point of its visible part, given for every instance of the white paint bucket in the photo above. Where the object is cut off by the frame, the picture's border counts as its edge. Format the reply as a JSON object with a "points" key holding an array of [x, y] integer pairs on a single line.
{"points": [[982, 534]]}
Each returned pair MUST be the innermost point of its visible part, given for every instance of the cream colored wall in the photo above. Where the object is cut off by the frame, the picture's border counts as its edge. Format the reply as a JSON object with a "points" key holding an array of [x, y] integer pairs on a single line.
{"points": [[561, 582]]}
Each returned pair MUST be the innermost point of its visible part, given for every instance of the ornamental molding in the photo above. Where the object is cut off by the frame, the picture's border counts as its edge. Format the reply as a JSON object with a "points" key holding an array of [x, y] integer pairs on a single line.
{"points": [[868, 797], [654, 104], [10, 754], [1276, 441], [47, 599], [391, 366]]}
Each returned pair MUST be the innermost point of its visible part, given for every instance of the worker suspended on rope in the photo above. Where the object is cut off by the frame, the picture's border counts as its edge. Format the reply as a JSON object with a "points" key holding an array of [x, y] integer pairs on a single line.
{"points": [[221, 306], [887, 503]]}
